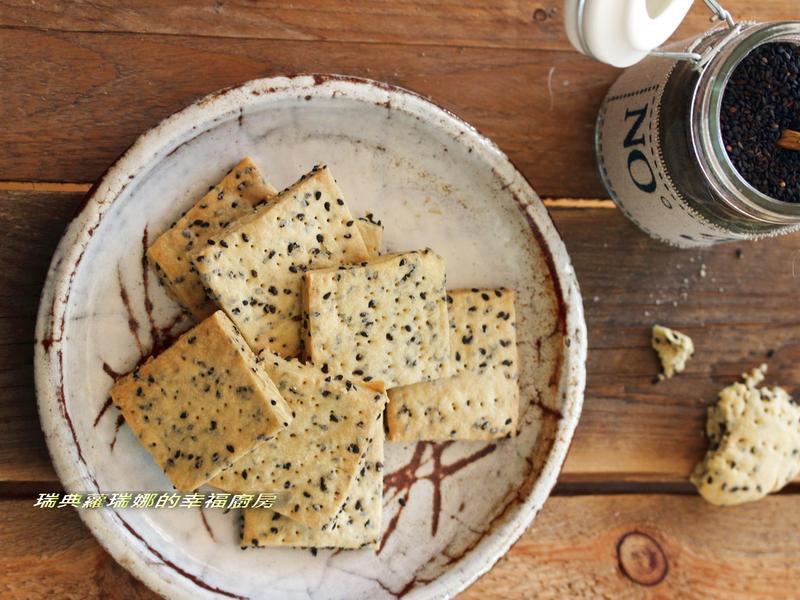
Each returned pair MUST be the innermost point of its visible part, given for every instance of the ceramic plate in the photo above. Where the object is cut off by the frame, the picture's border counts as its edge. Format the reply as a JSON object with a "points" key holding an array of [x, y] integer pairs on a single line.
{"points": [[451, 510]]}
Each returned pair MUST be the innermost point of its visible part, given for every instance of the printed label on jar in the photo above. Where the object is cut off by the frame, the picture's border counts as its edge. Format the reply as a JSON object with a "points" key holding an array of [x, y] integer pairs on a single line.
{"points": [[631, 163]]}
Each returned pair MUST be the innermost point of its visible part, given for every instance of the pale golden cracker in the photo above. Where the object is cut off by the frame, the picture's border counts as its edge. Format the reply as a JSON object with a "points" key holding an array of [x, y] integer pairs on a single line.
{"points": [[313, 462], [479, 402], [255, 269], [239, 192], [201, 404], [384, 320], [357, 524], [371, 232]]}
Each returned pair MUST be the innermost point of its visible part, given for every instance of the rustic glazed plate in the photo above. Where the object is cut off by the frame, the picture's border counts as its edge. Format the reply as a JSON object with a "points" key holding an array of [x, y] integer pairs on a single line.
{"points": [[451, 510]]}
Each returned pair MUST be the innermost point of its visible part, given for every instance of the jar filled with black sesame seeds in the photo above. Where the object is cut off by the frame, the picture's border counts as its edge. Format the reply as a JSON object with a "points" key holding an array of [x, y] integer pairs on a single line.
{"points": [[694, 140]]}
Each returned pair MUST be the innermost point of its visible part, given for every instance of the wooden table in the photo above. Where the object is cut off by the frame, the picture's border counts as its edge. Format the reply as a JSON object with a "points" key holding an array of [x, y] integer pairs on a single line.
{"points": [[80, 81]]}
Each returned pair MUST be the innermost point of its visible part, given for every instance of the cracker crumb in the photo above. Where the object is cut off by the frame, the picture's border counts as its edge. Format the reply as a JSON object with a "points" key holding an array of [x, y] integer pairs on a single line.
{"points": [[673, 347], [754, 442]]}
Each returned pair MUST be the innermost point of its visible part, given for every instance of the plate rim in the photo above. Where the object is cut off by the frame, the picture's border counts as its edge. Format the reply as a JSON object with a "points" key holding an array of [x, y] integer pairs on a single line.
{"points": [[176, 130]]}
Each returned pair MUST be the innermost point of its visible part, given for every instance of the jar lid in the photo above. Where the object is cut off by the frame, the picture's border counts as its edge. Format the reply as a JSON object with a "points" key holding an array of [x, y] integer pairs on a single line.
{"points": [[622, 32]]}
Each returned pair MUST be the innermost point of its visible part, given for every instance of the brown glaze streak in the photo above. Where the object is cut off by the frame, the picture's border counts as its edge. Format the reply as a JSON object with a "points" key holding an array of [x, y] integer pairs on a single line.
{"points": [[404, 590], [133, 323], [442, 471], [103, 409], [166, 562], [402, 480], [515, 497], [62, 404], [155, 334], [552, 412], [47, 344], [117, 425], [206, 525], [160, 337], [111, 372]]}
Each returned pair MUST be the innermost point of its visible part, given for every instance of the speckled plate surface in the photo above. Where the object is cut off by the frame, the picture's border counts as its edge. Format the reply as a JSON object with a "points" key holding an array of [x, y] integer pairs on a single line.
{"points": [[434, 181]]}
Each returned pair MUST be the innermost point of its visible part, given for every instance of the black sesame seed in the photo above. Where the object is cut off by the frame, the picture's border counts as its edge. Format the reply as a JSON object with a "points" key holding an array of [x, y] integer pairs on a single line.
{"points": [[759, 103]]}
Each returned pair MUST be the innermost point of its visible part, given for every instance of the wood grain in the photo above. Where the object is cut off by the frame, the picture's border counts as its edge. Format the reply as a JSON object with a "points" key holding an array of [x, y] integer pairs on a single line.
{"points": [[631, 429], [572, 550], [536, 25], [77, 89], [80, 81], [93, 94], [51, 554], [739, 314], [671, 546], [32, 224]]}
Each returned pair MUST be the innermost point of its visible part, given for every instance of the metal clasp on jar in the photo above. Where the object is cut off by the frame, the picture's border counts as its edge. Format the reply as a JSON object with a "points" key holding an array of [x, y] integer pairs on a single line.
{"points": [[701, 59]]}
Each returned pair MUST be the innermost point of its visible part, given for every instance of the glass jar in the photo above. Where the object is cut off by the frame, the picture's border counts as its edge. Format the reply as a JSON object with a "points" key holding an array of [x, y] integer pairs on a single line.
{"points": [[660, 149]]}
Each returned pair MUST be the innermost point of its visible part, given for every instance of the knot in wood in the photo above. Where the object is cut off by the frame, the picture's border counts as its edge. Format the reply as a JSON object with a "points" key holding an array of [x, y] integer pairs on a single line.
{"points": [[641, 558]]}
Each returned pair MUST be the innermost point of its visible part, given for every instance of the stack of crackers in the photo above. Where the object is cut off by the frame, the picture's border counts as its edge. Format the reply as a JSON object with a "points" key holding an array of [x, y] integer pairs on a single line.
{"points": [[312, 349]]}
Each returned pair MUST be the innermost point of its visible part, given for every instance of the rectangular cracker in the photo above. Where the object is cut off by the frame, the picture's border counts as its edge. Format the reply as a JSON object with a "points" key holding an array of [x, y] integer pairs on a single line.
{"points": [[479, 402], [241, 190], [371, 232], [312, 463], [201, 404], [384, 320], [254, 270], [356, 525]]}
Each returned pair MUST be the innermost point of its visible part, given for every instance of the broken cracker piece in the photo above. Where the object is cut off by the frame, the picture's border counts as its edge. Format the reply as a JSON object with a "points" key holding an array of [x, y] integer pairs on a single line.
{"points": [[371, 232], [674, 349], [754, 443]]}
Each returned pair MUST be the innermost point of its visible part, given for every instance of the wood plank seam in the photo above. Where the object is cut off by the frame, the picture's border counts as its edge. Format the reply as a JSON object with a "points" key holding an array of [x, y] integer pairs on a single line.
{"points": [[73, 187], [366, 42]]}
